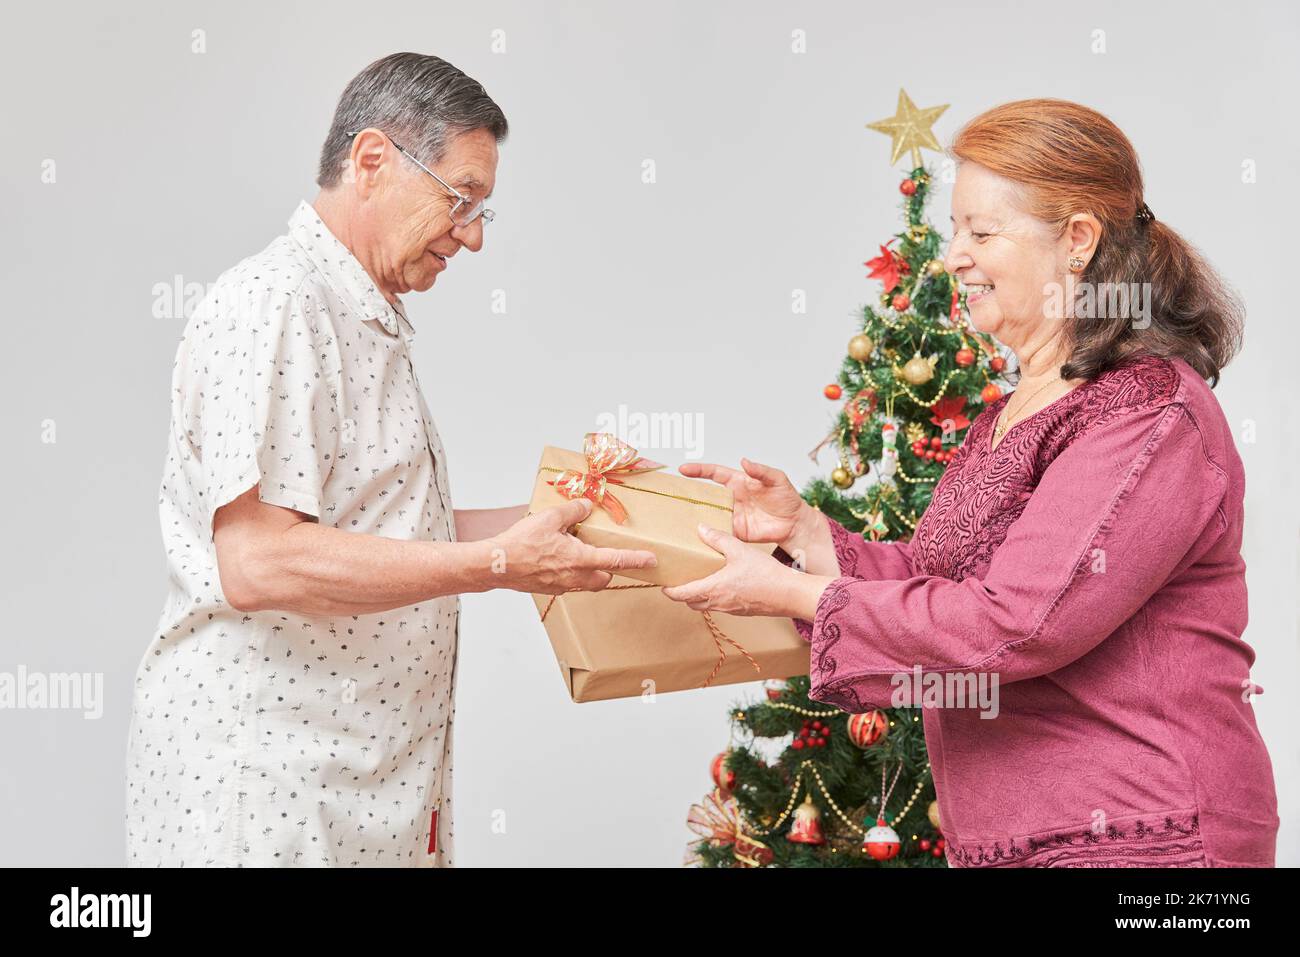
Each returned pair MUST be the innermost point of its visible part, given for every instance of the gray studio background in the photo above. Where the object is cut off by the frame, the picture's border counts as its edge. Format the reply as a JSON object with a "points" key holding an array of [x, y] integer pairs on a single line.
{"points": [[666, 297]]}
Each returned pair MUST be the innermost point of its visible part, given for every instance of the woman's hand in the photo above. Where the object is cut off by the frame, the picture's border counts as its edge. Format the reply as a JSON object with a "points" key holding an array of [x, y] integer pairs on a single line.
{"points": [[767, 505], [768, 508], [751, 583]]}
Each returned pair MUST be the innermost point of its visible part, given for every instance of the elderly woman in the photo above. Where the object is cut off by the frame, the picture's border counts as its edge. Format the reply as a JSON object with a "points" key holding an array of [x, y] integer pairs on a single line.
{"points": [[1083, 545]]}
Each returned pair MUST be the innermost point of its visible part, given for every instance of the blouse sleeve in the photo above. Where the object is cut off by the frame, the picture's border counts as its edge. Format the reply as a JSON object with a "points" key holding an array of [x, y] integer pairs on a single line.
{"points": [[263, 389], [1112, 519]]}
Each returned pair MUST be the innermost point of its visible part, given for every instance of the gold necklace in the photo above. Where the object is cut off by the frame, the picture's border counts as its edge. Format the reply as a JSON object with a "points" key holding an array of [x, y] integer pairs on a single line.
{"points": [[1004, 420]]}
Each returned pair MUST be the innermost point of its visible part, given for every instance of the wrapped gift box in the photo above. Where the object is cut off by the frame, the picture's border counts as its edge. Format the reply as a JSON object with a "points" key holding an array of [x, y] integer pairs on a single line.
{"points": [[663, 513], [629, 638]]}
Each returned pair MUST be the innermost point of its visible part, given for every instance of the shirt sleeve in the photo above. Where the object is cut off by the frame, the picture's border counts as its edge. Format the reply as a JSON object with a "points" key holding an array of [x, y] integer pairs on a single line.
{"points": [[1111, 520], [264, 390]]}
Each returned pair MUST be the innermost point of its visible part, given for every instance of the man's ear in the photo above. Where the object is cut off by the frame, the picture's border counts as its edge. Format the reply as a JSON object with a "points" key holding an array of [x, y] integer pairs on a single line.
{"points": [[371, 150]]}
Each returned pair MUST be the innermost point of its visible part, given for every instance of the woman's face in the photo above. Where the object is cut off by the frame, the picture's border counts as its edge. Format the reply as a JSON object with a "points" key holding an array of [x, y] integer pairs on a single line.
{"points": [[1012, 264]]}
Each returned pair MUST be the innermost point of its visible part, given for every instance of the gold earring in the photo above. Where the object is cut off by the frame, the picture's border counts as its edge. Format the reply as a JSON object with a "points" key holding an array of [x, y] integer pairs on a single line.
{"points": [[1076, 263]]}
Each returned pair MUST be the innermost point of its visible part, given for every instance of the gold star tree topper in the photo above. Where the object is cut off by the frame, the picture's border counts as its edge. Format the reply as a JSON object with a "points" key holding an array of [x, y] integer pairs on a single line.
{"points": [[910, 129]]}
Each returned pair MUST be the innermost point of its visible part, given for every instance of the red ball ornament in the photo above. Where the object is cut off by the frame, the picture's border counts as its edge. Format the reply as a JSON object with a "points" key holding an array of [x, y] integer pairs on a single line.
{"points": [[965, 357], [797, 744], [997, 363], [882, 841], [936, 443], [990, 393], [907, 187], [724, 779], [832, 392], [868, 728], [901, 302], [751, 853]]}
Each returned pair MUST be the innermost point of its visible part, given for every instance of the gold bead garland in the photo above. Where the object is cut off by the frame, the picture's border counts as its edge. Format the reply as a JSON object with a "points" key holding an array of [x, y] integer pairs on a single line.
{"points": [[821, 786], [910, 523], [803, 712], [909, 479], [933, 402], [956, 330]]}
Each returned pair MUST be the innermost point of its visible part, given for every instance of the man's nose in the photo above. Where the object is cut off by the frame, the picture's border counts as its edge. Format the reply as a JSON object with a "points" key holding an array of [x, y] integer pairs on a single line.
{"points": [[471, 236]]}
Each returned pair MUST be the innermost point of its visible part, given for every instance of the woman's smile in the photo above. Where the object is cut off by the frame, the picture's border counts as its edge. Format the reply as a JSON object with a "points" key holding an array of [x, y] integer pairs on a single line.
{"points": [[977, 291]]}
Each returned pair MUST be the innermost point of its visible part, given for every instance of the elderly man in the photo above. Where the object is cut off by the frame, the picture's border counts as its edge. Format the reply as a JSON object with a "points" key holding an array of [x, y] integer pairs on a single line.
{"points": [[295, 705]]}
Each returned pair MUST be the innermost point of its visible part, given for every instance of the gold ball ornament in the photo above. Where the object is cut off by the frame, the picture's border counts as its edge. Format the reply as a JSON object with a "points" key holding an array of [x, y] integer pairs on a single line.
{"points": [[935, 268], [932, 812], [861, 347], [842, 477], [918, 371]]}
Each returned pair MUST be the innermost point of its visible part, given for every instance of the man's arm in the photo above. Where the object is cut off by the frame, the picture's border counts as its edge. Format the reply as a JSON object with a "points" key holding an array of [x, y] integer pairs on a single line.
{"points": [[476, 524], [270, 557]]}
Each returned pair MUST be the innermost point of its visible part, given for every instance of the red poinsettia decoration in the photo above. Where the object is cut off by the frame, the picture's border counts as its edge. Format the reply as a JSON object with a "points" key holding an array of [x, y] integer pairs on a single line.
{"points": [[947, 413], [887, 267]]}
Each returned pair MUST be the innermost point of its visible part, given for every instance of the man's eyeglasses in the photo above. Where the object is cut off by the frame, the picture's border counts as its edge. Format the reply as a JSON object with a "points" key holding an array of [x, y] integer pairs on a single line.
{"points": [[466, 210]]}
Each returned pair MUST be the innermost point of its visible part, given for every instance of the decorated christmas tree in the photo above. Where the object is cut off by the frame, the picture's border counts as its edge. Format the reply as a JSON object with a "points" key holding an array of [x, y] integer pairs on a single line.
{"points": [[825, 788]]}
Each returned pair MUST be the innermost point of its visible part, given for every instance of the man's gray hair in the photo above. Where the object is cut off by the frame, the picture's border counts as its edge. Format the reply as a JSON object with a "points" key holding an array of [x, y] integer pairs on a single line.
{"points": [[420, 101]]}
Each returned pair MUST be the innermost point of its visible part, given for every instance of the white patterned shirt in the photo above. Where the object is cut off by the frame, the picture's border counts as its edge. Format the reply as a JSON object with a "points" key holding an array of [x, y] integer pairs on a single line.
{"points": [[270, 738]]}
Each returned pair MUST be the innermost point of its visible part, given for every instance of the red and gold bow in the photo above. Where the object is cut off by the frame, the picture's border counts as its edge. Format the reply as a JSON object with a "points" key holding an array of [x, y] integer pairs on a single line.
{"points": [[607, 457], [717, 819]]}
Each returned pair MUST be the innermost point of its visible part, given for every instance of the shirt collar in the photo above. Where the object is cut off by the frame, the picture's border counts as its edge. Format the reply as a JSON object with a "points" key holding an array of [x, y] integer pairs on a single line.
{"points": [[345, 274]]}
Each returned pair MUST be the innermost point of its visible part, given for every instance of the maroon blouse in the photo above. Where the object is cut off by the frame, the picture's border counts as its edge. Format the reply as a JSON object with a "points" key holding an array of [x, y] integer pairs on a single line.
{"points": [[1092, 561]]}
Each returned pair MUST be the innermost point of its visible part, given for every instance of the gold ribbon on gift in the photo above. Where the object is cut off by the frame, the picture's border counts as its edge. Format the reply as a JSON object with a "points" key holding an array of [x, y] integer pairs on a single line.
{"points": [[719, 636], [718, 820], [609, 457]]}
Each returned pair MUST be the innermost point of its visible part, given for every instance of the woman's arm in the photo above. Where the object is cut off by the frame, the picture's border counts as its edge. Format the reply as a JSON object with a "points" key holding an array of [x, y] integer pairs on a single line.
{"points": [[822, 546], [1120, 511]]}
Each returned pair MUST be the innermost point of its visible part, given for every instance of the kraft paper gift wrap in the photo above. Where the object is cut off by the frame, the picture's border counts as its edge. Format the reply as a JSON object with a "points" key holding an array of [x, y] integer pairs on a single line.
{"points": [[663, 511], [609, 643]]}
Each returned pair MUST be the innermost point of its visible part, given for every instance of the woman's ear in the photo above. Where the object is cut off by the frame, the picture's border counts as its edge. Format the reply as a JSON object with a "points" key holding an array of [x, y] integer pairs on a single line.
{"points": [[1082, 233]]}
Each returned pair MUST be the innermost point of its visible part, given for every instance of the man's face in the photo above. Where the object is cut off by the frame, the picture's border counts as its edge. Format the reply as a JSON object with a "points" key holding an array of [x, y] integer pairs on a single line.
{"points": [[413, 235]]}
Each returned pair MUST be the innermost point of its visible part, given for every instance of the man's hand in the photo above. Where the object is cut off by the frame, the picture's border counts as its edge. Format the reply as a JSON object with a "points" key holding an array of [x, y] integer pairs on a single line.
{"points": [[538, 555]]}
